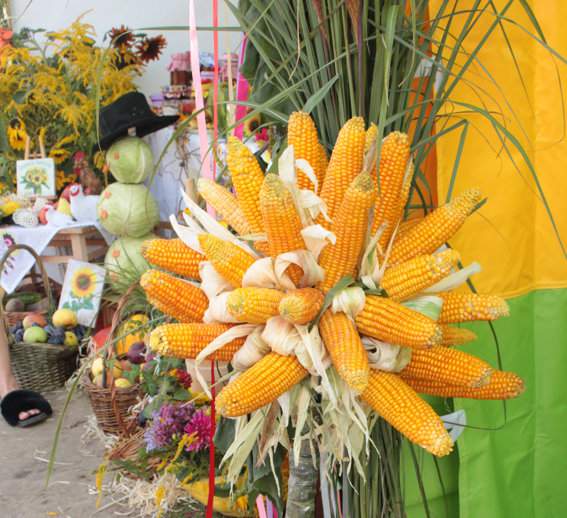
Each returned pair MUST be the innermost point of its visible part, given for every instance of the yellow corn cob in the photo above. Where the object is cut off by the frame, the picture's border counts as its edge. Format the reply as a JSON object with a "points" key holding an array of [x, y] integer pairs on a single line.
{"points": [[173, 255], [247, 178], [281, 221], [411, 277], [449, 366], [225, 203], [391, 322], [398, 404], [348, 355], [370, 137], [409, 223], [435, 229], [464, 307], [301, 306], [392, 196], [323, 163], [174, 297], [228, 259], [456, 335], [502, 385], [254, 305], [302, 135], [188, 340], [350, 227], [261, 384], [344, 166]]}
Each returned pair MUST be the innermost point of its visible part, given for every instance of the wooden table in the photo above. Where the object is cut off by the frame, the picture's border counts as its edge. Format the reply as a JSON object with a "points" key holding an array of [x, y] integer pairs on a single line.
{"points": [[78, 241]]}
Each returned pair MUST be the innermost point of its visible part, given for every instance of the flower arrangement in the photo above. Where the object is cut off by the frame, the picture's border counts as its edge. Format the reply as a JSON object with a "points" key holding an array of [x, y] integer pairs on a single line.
{"points": [[50, 91], [175, 423], [177, 429]]}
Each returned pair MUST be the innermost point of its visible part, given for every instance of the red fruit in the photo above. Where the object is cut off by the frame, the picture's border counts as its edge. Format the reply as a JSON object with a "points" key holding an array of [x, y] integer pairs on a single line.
{"points": [[99, 338], [34, 319]]}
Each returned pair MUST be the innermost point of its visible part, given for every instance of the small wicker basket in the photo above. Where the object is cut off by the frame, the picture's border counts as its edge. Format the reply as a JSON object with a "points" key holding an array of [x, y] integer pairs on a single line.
{"points": [[110, 405], [38, 366]]}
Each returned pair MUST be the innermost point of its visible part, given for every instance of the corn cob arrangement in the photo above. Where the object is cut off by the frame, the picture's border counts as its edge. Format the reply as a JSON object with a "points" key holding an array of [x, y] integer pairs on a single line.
{"points": [[280, 286]]}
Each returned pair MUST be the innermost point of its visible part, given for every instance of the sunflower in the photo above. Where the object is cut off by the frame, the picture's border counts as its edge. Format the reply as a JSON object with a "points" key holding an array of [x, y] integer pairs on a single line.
{"points": [[17, 134], [149, 49], [36, 176], [251, 124], [83, 282], [99, 159], [59, 155], [121, 38]]}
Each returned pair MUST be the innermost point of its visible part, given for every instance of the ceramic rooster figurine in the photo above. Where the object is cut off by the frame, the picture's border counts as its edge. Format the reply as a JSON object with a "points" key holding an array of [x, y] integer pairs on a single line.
{"points": [[89, 180], [83, 207]]}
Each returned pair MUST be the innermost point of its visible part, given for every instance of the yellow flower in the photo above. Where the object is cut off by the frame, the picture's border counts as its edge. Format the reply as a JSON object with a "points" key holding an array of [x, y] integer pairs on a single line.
{"points": [[36, 176], [99, 159], [83, 282], [252, 124], [69, 139], [71, 114], [17, 134], [59, 155]]}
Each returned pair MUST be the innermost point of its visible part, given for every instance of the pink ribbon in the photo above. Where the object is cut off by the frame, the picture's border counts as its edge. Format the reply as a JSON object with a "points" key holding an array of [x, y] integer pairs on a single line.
{"points": [[207, 171], [242, 88], [260, 506]]}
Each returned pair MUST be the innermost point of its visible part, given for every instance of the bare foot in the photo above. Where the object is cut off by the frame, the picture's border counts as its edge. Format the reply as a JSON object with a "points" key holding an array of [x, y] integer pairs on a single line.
{"points": [[22, 416], [10, 384]]}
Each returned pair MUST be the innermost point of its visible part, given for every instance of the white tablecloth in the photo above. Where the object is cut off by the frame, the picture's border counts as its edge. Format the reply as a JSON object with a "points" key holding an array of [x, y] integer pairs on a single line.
{"points": [[21, 262]]}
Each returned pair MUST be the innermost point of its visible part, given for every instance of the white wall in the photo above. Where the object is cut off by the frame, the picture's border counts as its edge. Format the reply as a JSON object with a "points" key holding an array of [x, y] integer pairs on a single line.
{"points": [[105, 14]]}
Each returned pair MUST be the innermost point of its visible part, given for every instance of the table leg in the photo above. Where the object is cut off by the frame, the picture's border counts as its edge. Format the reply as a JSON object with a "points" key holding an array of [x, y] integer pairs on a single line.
{"points": [[79, 248]]}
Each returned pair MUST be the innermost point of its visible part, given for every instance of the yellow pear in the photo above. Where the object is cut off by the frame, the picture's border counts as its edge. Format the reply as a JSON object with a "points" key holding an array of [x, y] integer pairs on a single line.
{"points": [[122, 383], [64, 206]]}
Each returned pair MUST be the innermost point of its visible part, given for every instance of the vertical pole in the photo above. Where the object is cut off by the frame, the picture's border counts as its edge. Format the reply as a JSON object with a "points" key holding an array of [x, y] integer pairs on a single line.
{"points": [[206, 168], [214, 176]]}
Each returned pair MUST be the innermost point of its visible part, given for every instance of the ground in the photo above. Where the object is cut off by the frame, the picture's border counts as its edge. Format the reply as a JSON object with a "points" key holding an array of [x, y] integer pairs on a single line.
{"points": [[23, 467]]}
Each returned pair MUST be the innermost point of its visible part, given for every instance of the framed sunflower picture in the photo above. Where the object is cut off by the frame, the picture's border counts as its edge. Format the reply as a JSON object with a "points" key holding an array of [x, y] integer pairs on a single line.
{"points": [[35, 177], [82, 291]]}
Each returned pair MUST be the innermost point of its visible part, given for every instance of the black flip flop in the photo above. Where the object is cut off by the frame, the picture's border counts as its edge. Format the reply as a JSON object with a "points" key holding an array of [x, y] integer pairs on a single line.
{"points": [[19, 401]]}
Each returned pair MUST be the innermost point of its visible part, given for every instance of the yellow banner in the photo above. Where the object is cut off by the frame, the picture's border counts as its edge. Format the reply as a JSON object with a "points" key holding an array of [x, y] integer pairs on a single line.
{"points": [[512, 235]]}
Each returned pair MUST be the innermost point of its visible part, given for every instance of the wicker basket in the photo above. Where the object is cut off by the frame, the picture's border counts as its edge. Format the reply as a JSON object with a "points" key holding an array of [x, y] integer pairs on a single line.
{"points": [[39, 366], [110, 405]]}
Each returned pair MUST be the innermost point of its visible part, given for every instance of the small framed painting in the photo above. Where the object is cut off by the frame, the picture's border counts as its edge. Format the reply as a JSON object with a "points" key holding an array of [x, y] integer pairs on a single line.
{"points": [[35, 177], [82, 291]]}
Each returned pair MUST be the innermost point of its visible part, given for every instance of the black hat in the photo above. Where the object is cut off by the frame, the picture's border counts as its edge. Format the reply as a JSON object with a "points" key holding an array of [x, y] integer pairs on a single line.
{"points": [[129, 111]]}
